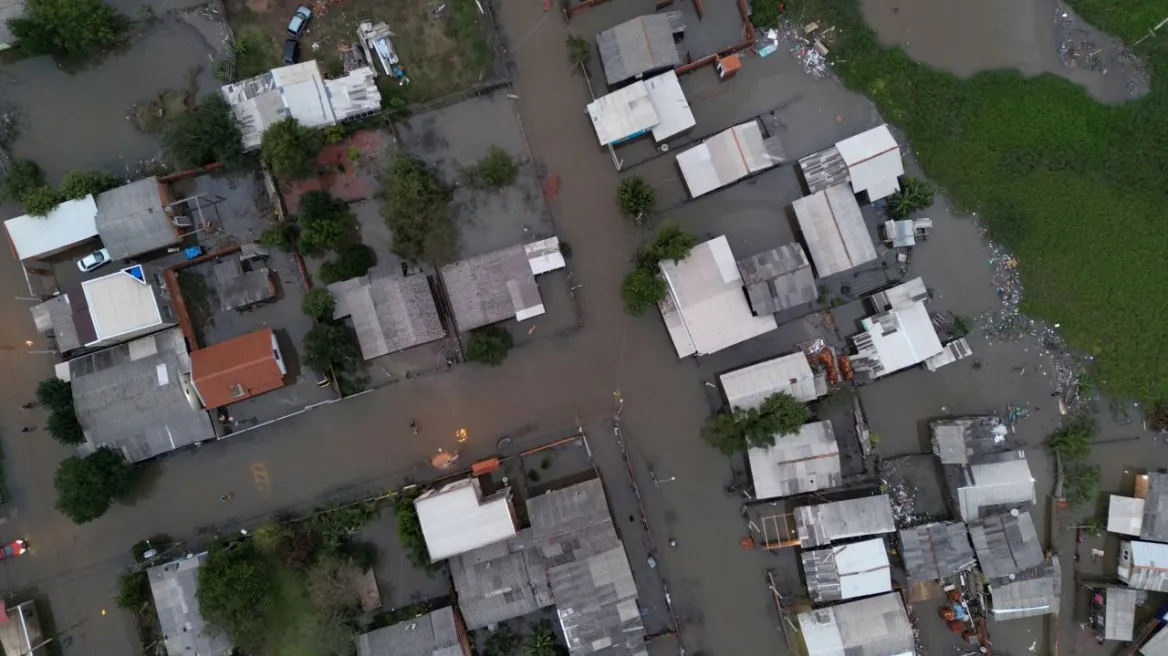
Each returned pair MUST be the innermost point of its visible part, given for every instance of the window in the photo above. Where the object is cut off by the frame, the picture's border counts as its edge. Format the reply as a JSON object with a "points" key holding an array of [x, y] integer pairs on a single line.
{"points": [[237, 391]]}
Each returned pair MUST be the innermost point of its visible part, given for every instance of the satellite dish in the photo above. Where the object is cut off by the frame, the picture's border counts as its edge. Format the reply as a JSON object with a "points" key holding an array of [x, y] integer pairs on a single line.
{"points": [[1014, 512], [150, 554]]}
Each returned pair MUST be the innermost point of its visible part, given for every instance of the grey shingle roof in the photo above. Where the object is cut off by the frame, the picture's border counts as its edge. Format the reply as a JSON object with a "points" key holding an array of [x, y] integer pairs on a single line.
{"points": [[1005, 544], [1033, 592], [132, 221], [823, 523], [824, 169], [1155, 526], [962, 440], [130, 397], [500, 581], [936, 551], [389, 314], [778, 279], [642, 45], [490, 288], [433, 634], [174, 586], [56, 315], [239, 289]]}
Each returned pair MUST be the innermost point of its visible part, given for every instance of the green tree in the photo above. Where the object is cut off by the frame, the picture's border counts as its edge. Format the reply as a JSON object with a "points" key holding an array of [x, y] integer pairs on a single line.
{"points": [[283, 235], [23, 176], [741, 428], [642, 289], [54, 393], [40, 201], [636, 198], [415, 205], [541, 641], [765, 14], [66, 27], [233, 594], [290, 149], [354, 260], [319, 304], [409, 532], [325, 221], [1080, 484], [1072, 442], [332, 584], [579, 52], [63, 426], [503, 641], [495, 171], [330, 345], [79, 184], [489, 345], [133, 591], [87, 486], [206, 134], [915, 194], [271, 536], [670, 243]]}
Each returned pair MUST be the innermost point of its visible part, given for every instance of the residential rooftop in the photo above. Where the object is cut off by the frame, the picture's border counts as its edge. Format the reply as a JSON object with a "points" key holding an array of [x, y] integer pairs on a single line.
{"points": [[895, 340], [873, 161], [437, 633], [936, 551], [1144, 565], [1031, 593], [493, 287], [133, 219], [457, 518], [804, 462], [389, 314], [790, 374], [824, 523], [1119, 613], [240, 283], [834, 230], [778, 279], [962, 440], [238, 369], [640, 47], [175, 588], [1006, 544], [121, 305], [728, 157], [847, 571], [71, 223], [876, 626], [995, 483]]}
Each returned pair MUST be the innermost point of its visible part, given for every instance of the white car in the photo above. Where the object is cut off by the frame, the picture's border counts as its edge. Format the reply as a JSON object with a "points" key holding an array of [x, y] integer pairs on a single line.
{"points": [[93, 260]]}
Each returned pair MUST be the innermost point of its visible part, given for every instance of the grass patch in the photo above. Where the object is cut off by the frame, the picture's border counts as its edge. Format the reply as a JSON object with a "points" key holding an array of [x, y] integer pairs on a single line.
{"points": [[1075, 188], [256, 50]]}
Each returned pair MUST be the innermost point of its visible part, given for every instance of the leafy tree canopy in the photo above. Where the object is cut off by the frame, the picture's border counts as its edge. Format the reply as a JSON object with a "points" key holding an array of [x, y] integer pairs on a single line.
{"points": [[24, 176], [741, 429], [319, 304], [636, 198], [353, 261], [290, 149], [915, 194], [1080, 484], [415, 205], [233, 593], [54, 393], [495, 171], [87, 486], [208, 133], [670, 243], [66, 27], [489, 345], [79, 184], [40, 201], [642, 289], [579, 51], [1072, 442], [63, 426], [330, 345], [324, 221]]}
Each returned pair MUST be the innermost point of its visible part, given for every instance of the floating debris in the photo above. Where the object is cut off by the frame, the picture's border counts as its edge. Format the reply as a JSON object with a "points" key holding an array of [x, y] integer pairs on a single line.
{"points": [[810, 52]]}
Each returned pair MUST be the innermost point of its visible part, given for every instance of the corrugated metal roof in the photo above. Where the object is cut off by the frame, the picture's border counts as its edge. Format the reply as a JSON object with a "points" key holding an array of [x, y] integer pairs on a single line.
{"points": [[804, 462], [238, 289], [847, 571], [748, 387], [131, 219], [998, 483], [895, 340], [824, 169], [389, 314], [1032, 593], [493, 287], [622, 114], [237, 369], [876, 626], [1125, 515], [639, 46], [778, 279], [838, 520], [873, 161], [456, 519], [1148, 569], [673, 112], [1119, 613], [728, 157], [1006, 544], [1157, 645], [1155, 522], [953, 351], [961, 440], [500, 581], [705, 293], [70, 223], [174, 587], [56, 315], [902, 295], [9, 10], [834, 230], [433, 634], [131, 397], [544, 255], [936, 551]]}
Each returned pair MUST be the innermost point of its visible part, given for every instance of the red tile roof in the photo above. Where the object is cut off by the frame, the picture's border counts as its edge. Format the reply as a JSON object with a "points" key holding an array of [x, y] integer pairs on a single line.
{"points": [[238, 369]]}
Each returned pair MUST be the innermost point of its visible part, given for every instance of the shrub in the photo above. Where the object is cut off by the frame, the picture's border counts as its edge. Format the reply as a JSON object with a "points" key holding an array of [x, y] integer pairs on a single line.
{"points": [[283, 235], [79, 184], [915, 194], [1072, 442], [636, 198], [670, 243], [642, 289], [271, 536], [409, 532], [1080, 484], [495, 171], [579, 52], [328, 345], [63, 426], [290, 149], [319, 304], [353, 261], [54, 394], [324, 221], [741, 429], [234, 593], [133, 591], [23, 176], [541, 641], [489, 345], [208, 133], [87, 486], [765, 14], [40, 201], [66, 27], [415, 205]]}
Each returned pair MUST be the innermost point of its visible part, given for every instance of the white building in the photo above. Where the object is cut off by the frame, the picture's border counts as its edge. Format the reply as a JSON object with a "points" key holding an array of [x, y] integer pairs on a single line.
{"points": [[656, 105], [728, 157], [834, 230], [873, 161], [895, 340], [73, 222], [456, 518], [1144, 565], [749, 386], [123, 305], [706, 309], [876, 626], [997, 481], [847, 571]]}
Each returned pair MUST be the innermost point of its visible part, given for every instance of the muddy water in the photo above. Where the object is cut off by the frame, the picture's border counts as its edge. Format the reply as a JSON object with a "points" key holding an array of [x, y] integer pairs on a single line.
{"points": [[1032, 36]]}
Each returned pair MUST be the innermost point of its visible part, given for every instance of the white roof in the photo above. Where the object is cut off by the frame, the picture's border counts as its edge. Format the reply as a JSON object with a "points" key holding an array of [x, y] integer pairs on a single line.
{"points": [[455, 519], [724, 158], [1150, 555], [873, 160], [1125, 515], [996, 484], [622, 114], [1157, 645], [304, 93], [903, 337], [876, 626], [750, 386], [71, 223], [121, 303], [862, 567], [804, 462], [544, 255], [834, 229], [673, 112], [354, 94], [706, 310]]}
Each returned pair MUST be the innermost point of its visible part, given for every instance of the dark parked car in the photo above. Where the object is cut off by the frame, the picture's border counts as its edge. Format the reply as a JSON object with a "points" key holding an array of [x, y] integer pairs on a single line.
{"points": [[299, 21], [291, 51]]}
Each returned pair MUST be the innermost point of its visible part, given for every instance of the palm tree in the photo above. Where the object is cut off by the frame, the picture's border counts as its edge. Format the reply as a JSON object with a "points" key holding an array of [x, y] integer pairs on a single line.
{"points": [[541, 641], [579, 52]]}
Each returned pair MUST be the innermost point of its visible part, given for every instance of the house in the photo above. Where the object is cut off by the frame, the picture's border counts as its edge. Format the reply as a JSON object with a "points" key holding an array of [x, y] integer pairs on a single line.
{"points": [[640, 47], [242, 282], [389, 314], [437, 633], [847, 571], [300, 92], [953, 351], [1006, 544], [1119, 612], [904, 294], [570, 558], [1125, 515], [834, 230], [779, 279], [1154, 525], [238, 369], [137, 397], [70, 224], [876, 626], [9, 10], [894, 340], [728, 157], [995, 483], [904, 233], [493, 287], [962, 440], [20, 629], [706, 310], [175, 589], [825, 523], [791, 374], [1029, 593], [656, 105], [936, 551], [804, 462], [457, 518], [873, 161], [1144, 565], [135, 218]]}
